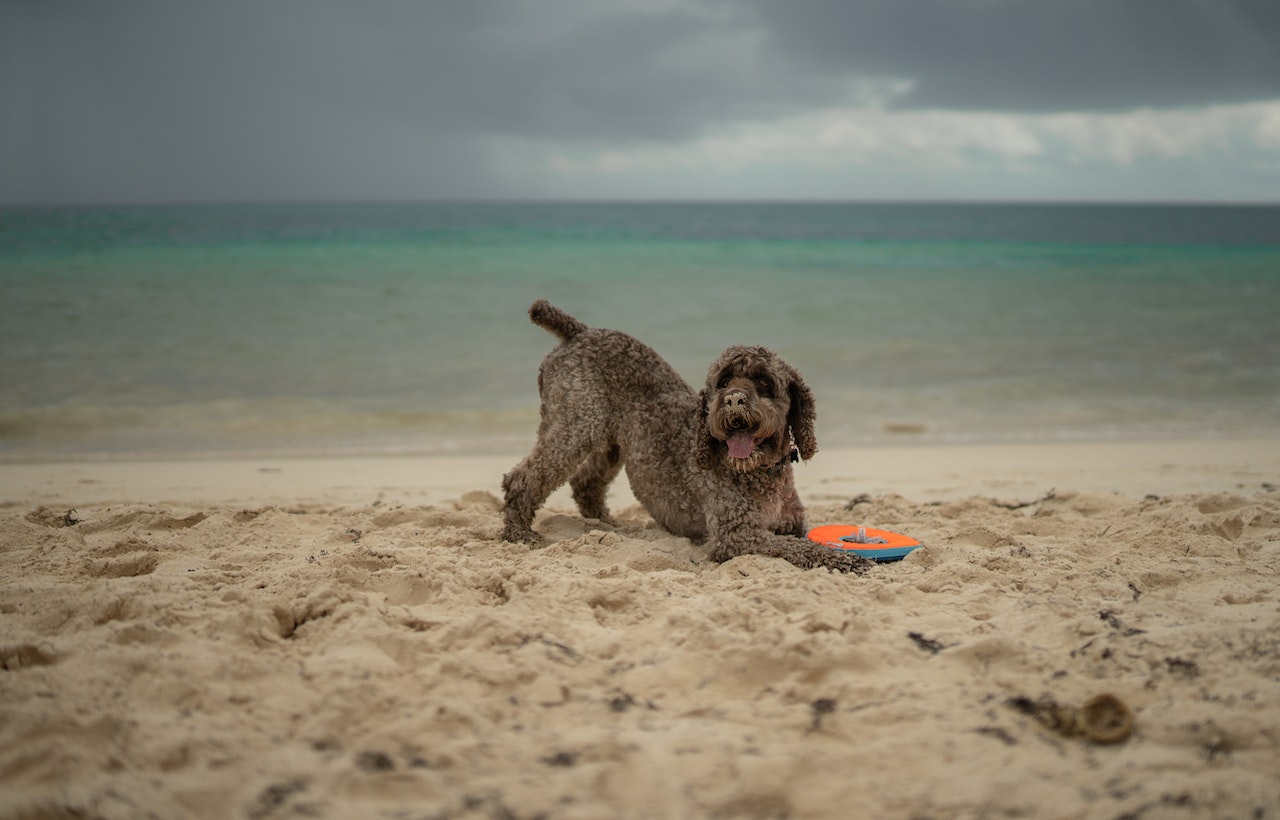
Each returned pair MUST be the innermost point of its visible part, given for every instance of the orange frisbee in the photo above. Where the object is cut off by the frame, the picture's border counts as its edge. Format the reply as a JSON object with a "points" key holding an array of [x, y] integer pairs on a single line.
{"points": [[878, 545]]}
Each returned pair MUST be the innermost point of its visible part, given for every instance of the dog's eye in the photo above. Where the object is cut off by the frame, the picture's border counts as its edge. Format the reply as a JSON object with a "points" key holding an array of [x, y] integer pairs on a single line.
{"points": [[723, 381], [764, 387]]}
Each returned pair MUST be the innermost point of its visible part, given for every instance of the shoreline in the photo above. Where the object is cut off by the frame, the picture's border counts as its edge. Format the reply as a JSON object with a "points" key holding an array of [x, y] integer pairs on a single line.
{"points": [[933, 472]]}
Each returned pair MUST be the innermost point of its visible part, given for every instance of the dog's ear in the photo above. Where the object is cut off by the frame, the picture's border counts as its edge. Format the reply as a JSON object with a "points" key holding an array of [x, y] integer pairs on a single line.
{"points": [[704, 443], [802, 416]]}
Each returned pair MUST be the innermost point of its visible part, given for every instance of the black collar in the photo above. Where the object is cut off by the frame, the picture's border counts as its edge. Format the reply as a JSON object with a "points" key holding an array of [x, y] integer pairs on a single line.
{"points": [[790, 458]]}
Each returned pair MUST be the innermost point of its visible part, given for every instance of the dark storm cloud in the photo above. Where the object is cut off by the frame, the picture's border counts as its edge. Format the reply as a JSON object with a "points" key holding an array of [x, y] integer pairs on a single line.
{"points": [[589, 70], [239, 98], [1037, 56], [220, 101], [165, 99]]}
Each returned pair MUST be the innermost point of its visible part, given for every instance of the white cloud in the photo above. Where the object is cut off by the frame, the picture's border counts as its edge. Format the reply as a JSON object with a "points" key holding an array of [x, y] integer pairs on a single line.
{"points": [[1266, 129], [826, 140], [1123, 139], [944, 145]]}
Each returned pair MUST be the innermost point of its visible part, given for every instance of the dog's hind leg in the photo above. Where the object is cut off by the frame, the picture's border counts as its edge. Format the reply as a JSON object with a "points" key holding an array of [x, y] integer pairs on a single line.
{"points": [[591, 482], [560, 452]]}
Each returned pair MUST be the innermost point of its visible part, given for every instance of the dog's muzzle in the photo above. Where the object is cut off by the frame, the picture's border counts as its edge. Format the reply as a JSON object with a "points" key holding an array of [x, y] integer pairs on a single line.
{"points": [[735, 410], [736, 416], [737, 421]]}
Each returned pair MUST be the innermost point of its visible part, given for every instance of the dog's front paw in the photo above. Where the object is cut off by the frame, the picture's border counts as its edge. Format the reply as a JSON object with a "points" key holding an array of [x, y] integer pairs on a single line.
{"points": [[843, 561], [795, 528]]}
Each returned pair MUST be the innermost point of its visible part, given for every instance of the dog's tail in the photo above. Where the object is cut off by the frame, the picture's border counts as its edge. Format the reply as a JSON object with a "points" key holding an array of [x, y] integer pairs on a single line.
{"points": [[549, 317]]}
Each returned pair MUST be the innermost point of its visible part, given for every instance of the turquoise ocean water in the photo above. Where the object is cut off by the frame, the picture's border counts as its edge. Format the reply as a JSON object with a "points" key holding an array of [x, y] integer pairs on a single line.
{"points": [[231, 330]]}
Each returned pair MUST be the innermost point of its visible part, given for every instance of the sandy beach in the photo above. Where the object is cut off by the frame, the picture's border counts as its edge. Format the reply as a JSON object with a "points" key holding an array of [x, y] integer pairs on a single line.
{"points": [[347, 637]]}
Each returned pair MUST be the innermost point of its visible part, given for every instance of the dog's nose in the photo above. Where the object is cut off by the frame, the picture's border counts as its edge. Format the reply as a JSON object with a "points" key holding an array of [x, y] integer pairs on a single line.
{"points": [[735, 401]]}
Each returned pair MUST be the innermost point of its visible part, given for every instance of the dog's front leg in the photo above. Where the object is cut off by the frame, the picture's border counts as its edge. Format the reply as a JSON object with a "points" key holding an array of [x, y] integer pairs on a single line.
{"points": [[791, 519], [736, 526]]}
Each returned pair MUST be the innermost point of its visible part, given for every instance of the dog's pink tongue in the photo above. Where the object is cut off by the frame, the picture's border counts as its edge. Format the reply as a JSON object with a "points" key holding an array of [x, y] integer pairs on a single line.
{"points": [[741, 445]]}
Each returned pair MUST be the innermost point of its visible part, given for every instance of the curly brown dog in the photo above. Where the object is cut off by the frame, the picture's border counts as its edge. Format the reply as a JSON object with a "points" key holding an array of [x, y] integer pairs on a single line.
{"points": [[713, 466]]}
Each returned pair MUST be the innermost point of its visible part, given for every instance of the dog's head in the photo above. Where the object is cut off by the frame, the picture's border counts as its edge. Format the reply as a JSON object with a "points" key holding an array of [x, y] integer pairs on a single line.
{"points": [[753, 407]]}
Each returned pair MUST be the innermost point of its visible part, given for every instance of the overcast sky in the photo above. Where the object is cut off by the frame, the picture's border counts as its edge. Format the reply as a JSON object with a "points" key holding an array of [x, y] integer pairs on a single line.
{"points": [[237, 100]]}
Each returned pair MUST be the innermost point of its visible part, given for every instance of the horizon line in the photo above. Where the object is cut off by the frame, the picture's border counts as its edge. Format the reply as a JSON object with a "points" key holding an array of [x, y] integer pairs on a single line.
{"points": [[552, 200]]}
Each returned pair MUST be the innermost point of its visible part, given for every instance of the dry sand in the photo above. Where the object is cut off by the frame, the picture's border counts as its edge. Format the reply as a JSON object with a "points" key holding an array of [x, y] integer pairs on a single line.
{"points": [[348, 638]]}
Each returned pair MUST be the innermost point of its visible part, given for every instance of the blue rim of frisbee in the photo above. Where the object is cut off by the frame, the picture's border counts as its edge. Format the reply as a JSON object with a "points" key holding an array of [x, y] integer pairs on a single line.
{"points": [[882, 556]]}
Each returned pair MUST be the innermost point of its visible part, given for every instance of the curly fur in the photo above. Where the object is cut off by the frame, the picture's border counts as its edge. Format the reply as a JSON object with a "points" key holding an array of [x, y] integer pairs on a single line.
{"points": [[713, 466]]}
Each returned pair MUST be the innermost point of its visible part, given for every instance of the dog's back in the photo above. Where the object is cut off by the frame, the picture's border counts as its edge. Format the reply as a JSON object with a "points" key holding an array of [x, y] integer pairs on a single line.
{"points": [[608, 359]]}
